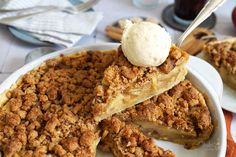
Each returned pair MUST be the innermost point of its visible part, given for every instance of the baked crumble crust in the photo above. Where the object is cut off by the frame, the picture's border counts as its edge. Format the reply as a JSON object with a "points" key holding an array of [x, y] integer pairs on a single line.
{"points": [[122, 79], [48, 111], [182, 108], [222, 55], [126, 140]]}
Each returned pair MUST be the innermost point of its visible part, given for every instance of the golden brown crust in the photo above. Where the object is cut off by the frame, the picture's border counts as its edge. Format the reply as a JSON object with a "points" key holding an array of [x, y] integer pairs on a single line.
{"points": [[182, 108], [222, 55], [126, 140], [122, 79], [47, 111]]}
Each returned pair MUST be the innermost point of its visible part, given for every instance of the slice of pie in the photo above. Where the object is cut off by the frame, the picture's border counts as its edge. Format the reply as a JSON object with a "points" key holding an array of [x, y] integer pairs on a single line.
{"points": [[222, 55], [179, 115], [125, 140], [124, 85]]}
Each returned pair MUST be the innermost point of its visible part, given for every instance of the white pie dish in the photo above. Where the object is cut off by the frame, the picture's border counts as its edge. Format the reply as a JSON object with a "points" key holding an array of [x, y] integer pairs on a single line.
{"points": [[216, 146]]}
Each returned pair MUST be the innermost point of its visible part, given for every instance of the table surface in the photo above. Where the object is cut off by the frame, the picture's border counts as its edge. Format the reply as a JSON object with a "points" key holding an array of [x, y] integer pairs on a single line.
{"points": [[13, 51]]}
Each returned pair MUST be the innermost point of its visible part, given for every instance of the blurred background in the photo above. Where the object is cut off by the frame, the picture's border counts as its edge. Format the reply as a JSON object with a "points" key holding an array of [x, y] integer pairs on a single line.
{"points": [[14, 49]]}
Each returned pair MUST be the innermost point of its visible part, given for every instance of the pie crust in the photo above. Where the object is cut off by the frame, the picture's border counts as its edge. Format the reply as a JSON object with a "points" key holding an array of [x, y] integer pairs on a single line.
{"points": [[179, 115], [124, 85], [222, 55]]}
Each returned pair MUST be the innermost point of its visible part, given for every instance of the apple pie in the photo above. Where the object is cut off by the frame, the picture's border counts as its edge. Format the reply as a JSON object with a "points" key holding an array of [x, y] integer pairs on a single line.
{"points": [[179, 115], [54, 109], [222, 55], [125, 140], [124, 85]]}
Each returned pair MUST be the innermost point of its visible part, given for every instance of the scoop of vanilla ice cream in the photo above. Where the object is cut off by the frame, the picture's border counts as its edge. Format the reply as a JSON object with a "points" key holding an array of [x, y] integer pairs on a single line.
{"points": [[145, 44]]}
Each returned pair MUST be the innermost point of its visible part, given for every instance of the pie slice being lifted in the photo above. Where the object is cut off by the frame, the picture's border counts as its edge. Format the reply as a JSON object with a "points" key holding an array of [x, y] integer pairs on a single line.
{"points": [[125, 140], [124, 85], [179, 115]]}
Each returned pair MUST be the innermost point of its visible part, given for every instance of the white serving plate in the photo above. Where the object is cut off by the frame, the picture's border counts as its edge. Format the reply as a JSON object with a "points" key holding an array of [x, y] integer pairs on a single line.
{"points": [[214, 147], [229, 99]]}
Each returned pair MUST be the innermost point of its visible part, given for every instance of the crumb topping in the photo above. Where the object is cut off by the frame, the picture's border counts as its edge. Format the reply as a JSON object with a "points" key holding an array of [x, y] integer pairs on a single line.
{"points": [[48, 112], [126, 140], [182, 107], [223, 54]]}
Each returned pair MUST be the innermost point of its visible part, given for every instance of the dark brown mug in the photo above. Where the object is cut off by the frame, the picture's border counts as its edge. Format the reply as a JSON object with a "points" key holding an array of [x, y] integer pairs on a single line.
{"points": [[188, 9]]}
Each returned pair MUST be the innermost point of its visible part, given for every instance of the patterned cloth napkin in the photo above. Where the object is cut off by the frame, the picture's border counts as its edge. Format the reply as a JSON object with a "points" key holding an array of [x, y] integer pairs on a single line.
{"points": [[231, 145], [54, 26]]}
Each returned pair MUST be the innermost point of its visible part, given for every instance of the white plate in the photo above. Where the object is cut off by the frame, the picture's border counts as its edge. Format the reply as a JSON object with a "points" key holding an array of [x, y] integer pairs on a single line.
{"points": [[214, 147], [228, 101]]}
